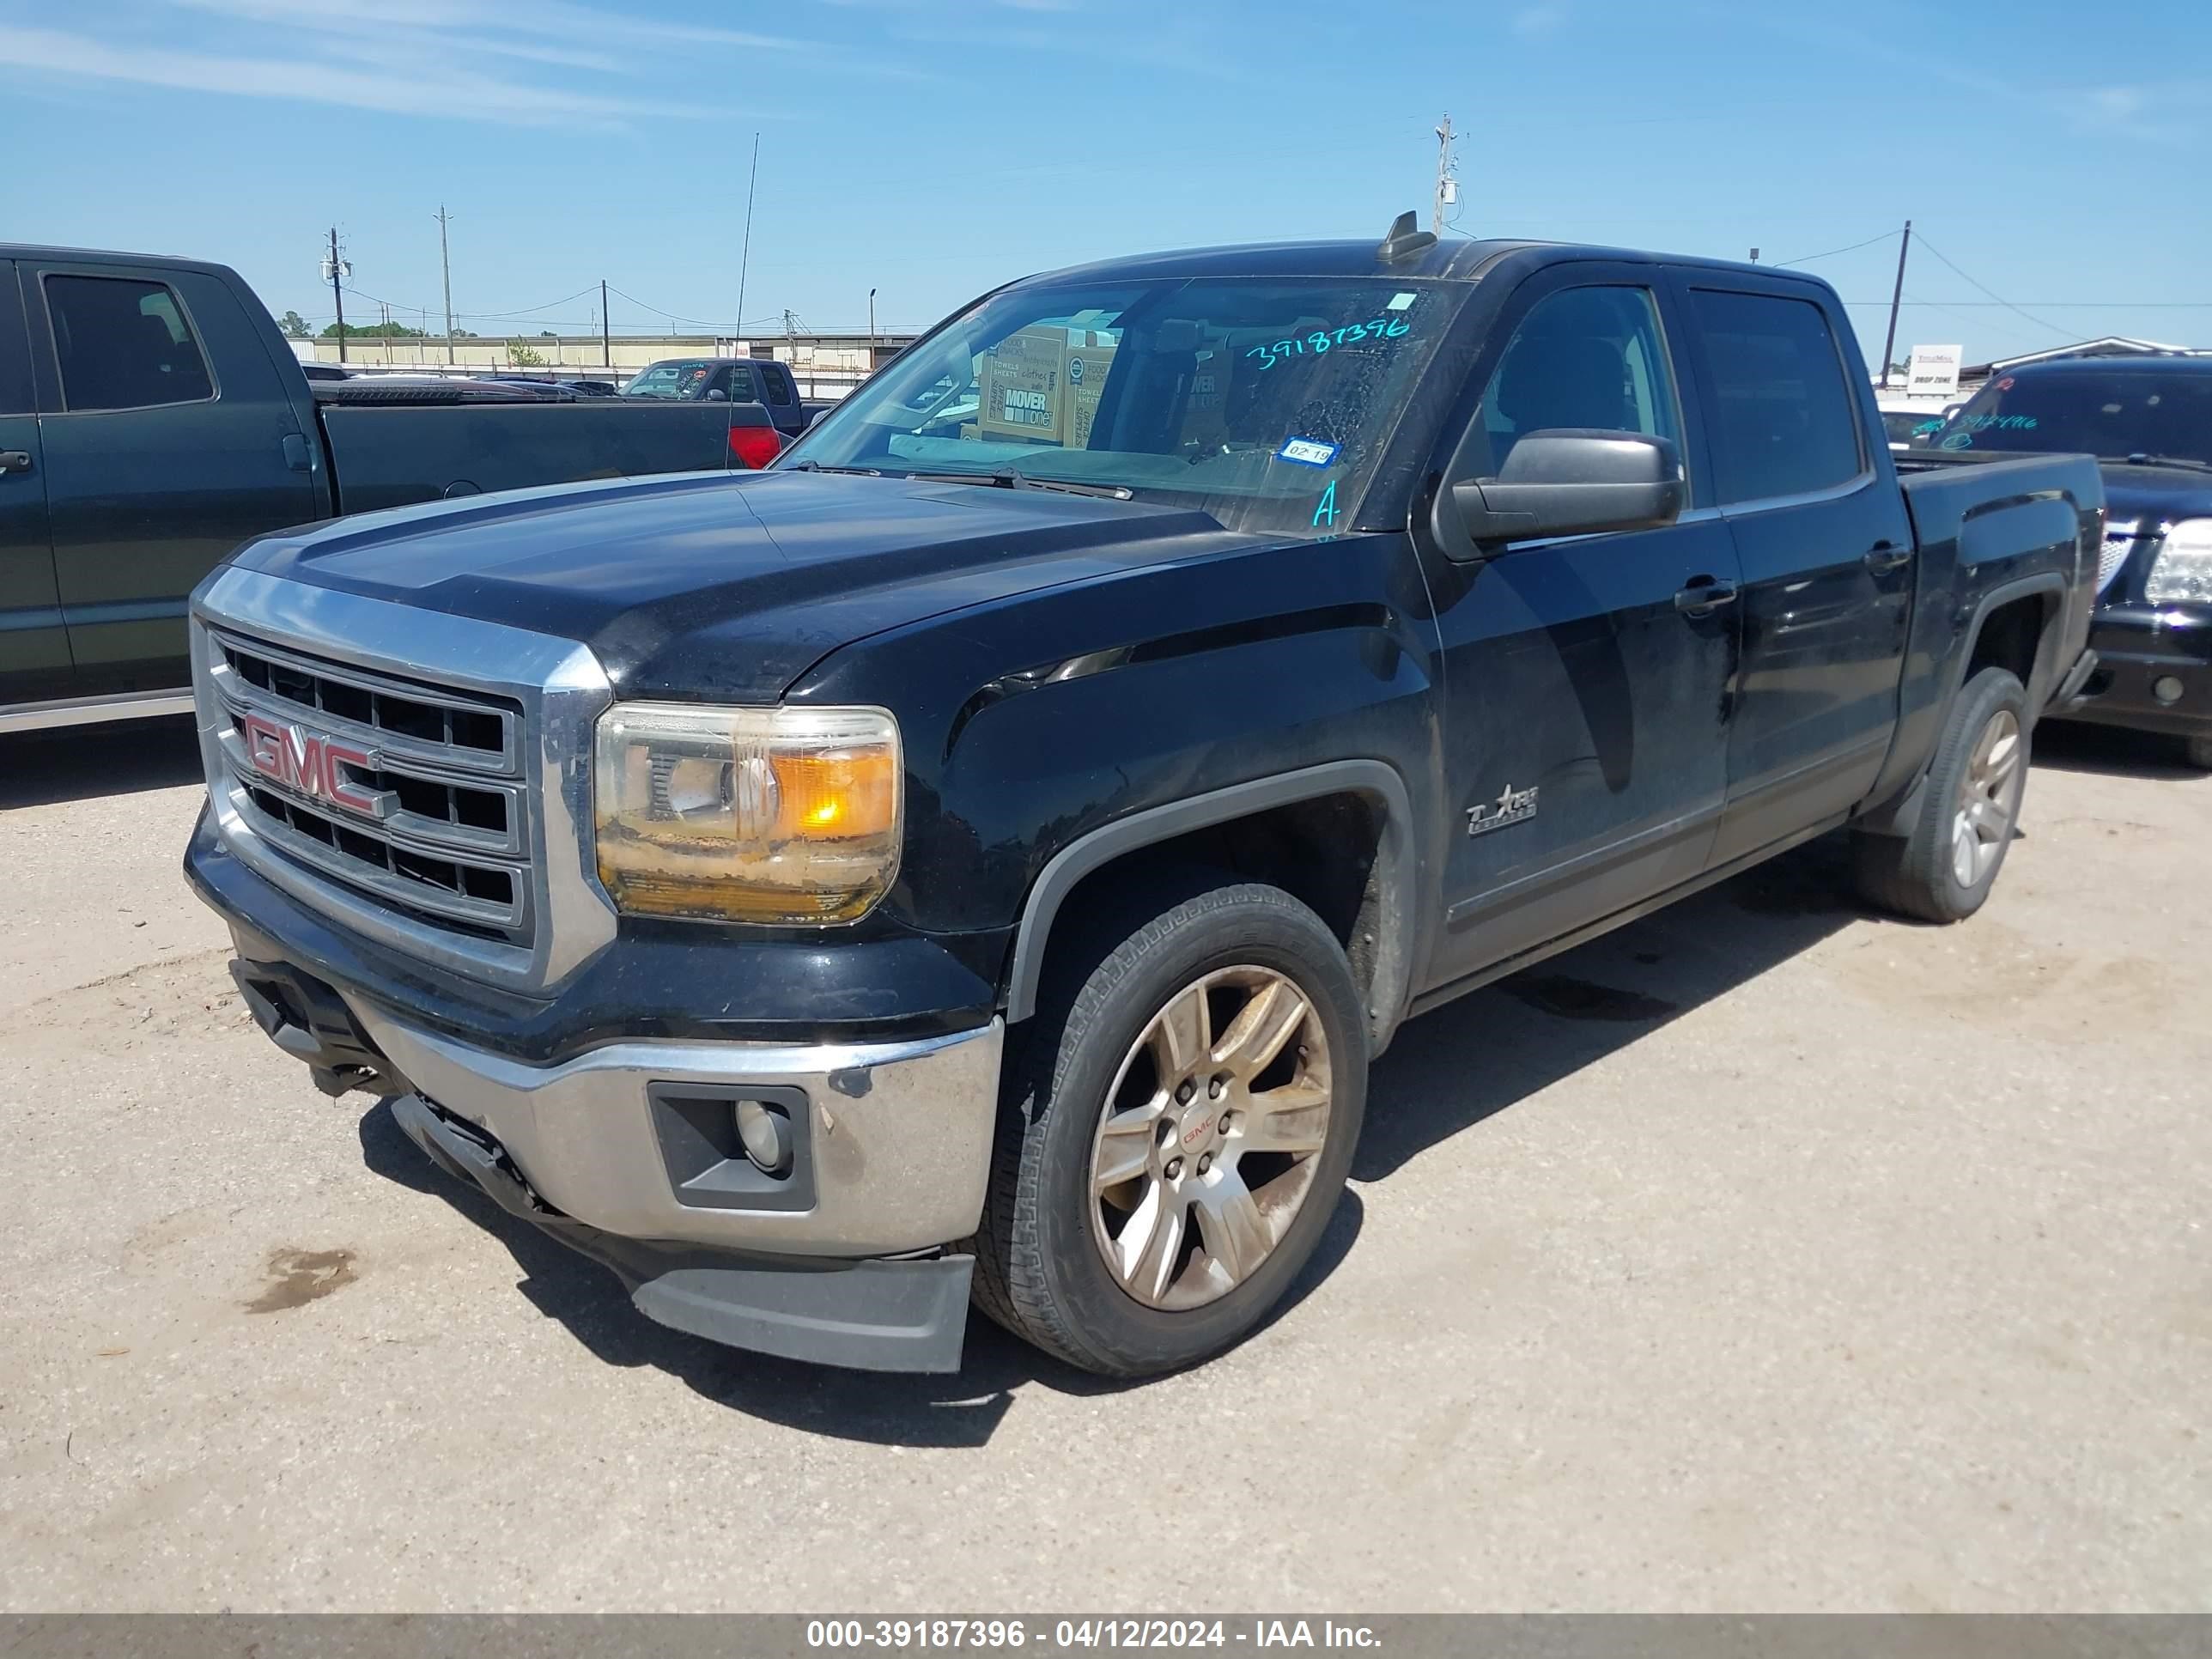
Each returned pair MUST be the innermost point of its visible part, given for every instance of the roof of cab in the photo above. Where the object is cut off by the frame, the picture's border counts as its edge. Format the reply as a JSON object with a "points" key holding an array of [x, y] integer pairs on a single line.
{"points": [[89, 255], [2143, 363], [1449, 260]]}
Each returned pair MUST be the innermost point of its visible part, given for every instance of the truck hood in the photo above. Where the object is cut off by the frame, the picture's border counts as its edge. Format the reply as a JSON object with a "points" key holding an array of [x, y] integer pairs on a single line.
{"points": [[2156, 494], [728, 587]]}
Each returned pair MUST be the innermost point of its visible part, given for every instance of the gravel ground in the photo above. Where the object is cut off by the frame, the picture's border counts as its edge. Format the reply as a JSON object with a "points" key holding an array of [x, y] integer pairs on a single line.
{"points": [[1763, 1255]]}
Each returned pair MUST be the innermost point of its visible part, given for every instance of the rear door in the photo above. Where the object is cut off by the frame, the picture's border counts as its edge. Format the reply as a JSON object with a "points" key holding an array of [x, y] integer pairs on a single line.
{"points": [[34, 660], [169, 439], [1586, 678], [1825, 549]]}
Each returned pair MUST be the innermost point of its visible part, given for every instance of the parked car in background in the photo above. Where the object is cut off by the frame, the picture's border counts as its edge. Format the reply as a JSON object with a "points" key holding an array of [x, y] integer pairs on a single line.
{"points": [[728, 380], [1905, 421], [985, 851], [2149, 421], [152, 418]]}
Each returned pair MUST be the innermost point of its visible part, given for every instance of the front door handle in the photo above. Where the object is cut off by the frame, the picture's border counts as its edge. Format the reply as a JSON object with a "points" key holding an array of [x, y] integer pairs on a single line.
{"points": [[1704, 595], [1885, 556], [15, 461]]}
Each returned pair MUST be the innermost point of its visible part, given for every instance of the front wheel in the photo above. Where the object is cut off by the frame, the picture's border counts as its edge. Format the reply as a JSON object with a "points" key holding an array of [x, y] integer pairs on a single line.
{"points": [[1176, 1133], [1944, 869], [2198, 752]]}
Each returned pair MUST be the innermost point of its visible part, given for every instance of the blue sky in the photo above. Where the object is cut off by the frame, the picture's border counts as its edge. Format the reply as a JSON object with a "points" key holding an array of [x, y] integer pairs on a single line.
{"points": [[2054, 152]]}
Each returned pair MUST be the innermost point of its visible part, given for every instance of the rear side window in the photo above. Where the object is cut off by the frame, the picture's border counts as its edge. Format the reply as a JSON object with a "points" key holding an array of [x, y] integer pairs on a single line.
{"points": [[779, 384], [1781, 421], [123, 344]]}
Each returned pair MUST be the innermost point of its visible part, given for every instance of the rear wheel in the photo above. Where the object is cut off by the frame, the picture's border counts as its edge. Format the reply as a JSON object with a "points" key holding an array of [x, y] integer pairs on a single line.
{"points": [[2198, 751], [1944, 869], [1175, 1135]]}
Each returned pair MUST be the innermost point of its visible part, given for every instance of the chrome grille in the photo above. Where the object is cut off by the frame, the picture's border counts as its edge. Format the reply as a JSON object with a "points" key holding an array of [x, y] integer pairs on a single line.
{"points": [[2119, 542], [410, 793]]}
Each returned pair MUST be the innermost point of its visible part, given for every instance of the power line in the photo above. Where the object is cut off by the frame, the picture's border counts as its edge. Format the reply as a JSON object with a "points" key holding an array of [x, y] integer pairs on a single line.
{"points": [[1809, 258], [1992, 293]]}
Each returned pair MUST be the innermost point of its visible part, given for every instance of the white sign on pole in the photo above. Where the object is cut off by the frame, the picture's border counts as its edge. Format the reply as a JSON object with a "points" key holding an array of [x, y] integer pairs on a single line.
{"points": [[1933, 371]]}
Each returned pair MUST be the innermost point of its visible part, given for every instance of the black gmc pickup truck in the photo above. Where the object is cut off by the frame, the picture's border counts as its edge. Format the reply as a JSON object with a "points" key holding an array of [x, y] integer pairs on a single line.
{"points": [[152, 418], [984, 851]]}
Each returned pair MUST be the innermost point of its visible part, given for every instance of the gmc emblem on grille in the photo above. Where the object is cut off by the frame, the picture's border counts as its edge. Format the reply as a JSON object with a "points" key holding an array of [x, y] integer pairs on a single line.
{"points": [[312, 763]]}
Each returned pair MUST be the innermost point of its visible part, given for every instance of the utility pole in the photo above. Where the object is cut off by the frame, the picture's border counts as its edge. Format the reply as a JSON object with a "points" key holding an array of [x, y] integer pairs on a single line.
{"points": [[606, 335], [446, 268], [745, 258], [1896, 294], [334, 267], [1447, 186]]}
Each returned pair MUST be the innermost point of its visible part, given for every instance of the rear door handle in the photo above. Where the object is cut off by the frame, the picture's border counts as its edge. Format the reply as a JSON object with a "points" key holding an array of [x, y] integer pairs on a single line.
{"points": [[1704, 595], [15, 461], [1885, 556]]}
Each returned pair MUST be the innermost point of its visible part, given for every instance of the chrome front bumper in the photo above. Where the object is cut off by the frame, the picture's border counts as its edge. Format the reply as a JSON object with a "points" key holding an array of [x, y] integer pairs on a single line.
{"points": [[898, 1134]]}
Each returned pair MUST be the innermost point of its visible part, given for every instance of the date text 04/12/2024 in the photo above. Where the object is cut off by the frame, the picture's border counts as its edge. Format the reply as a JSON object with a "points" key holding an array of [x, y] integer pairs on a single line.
{"points": [[897, 1635]]}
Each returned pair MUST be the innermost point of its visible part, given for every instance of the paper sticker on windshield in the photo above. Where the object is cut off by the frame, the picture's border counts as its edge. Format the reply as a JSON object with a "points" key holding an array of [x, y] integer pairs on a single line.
{"points": [[1401, 302], [1308, 451]]}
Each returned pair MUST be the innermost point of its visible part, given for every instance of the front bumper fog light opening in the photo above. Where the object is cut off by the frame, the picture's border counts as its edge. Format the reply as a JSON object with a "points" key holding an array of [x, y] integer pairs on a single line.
{"points": [[2167, 689], [764, 1131]]}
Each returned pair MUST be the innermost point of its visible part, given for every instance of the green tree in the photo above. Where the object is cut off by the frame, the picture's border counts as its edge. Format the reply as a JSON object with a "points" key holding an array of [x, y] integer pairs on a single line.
{"points": [[524, 356], [295, 326], [372, 331]]}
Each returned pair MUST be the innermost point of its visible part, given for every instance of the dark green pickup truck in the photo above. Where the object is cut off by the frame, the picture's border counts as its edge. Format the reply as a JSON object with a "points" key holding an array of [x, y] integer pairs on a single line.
{"points": [[152, 418]]}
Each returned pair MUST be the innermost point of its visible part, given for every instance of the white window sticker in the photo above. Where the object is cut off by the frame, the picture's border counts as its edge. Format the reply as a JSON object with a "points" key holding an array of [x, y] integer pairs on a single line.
{"points": [[1307, 451], [1401, 302]]}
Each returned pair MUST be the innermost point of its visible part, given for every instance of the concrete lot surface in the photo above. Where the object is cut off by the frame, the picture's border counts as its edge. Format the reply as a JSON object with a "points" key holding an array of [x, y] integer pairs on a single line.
{"points": [[1763, 1255]]}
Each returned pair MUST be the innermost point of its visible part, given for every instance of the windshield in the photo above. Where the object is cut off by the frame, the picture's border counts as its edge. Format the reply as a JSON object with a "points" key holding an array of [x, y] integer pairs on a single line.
{"points": [[2113, 415], [1909, 425], [674, 379], [1268, 402]]}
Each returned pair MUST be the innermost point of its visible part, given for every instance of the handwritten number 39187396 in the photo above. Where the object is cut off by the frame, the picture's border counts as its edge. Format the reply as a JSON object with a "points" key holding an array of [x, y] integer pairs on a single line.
{"points": [[1322, 341]]}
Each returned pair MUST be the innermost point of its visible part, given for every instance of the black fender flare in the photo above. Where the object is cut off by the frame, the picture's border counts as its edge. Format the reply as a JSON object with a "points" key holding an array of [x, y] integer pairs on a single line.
{"points": [[1899, 817], [1396, 864]]}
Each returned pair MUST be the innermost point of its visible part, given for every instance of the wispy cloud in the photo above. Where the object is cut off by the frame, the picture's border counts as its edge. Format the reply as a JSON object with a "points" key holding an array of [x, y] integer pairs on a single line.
{"points": [[554, 61], [1534, 22], [2143, 113], [450, 92]]}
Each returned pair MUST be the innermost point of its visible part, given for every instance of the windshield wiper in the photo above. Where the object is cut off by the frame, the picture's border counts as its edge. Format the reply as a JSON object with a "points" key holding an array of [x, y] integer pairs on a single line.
{"points": [[850, 471], [1006, 478], [2139, 458]]}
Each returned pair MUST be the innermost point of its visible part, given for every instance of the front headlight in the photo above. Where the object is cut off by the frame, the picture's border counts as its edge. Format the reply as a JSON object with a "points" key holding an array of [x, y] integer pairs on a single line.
{"points": [[768, 815], [2183, 573]]}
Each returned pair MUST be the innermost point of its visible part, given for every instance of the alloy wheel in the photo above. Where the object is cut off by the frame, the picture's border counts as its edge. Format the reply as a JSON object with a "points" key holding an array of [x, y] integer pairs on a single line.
{"points": [[1205, 1150], [1989, 799]]}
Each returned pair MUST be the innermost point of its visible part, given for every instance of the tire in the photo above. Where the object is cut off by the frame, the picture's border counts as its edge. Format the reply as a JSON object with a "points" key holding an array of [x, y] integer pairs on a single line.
{"points": [[2197, 751], [1113, 1009], [1924, 875]]}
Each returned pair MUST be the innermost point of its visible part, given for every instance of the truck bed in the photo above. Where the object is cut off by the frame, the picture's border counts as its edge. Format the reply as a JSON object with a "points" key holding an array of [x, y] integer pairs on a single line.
{"points": [[389, 455]]}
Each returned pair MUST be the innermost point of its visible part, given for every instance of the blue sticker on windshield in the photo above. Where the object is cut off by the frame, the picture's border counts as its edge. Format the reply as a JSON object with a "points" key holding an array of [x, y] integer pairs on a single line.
{"points": [[1307, 451]]}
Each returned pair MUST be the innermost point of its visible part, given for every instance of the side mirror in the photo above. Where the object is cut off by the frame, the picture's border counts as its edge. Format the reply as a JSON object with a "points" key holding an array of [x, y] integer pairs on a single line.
{"points": [[1574, 480], [716, 395]]}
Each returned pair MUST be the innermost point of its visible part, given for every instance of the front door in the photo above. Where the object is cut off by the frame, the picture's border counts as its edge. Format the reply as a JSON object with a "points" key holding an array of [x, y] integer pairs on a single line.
{"points": [[34, 660], [1587, 678], [1826, 550], [157, 466]]}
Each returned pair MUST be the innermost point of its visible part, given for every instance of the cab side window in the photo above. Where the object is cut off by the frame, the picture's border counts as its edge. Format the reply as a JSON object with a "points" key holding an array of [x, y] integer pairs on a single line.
{"points": [[123, 344], [1781, 416], [1591, 357]]}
